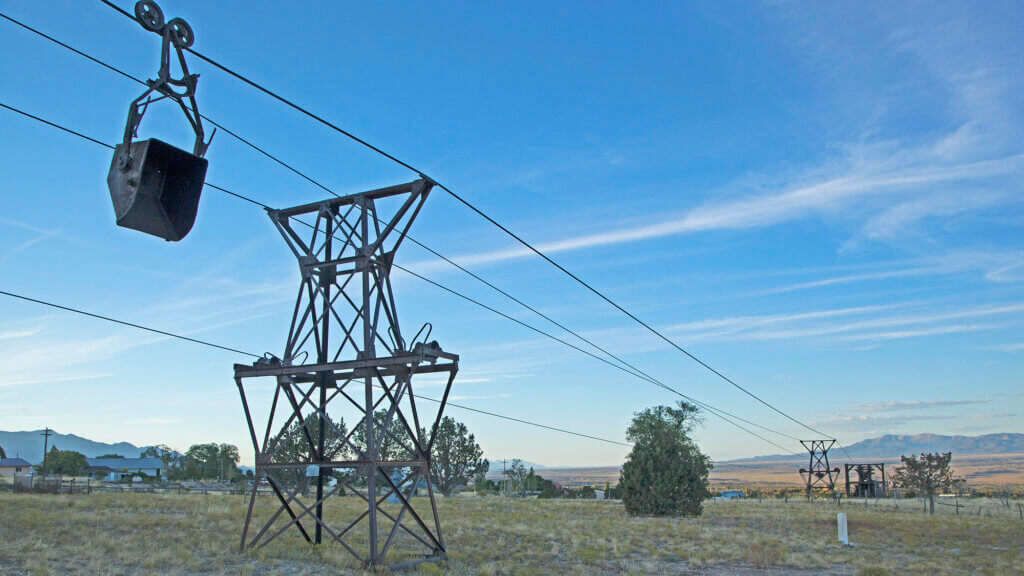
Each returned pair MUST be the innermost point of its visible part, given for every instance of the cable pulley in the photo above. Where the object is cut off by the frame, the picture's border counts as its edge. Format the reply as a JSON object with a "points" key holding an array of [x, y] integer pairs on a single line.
{"points": [[155, 187]]}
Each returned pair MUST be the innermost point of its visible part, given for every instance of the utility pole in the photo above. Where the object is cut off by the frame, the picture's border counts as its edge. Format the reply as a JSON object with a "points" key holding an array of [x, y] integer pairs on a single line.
{"points": [[46, 446]]}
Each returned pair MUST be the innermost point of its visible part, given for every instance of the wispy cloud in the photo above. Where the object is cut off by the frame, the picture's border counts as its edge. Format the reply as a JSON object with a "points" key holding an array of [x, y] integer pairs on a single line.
{"points": [[933, 331], [40, 234], [915, 405], [884, 416], [52, 379], [763, 210], [440, 383], [11, 334], [867, 326], [492, 397], [156, 421], [881, 324], [1008, 394], [50, 360], [992, 416], [995, 266], [882, 181], [877, 421], [721, 327]]}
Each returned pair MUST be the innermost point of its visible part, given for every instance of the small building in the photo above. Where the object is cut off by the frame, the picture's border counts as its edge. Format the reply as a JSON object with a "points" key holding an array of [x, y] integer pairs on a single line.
{"points": [[731, 495], [10, 467], [117, 468]]}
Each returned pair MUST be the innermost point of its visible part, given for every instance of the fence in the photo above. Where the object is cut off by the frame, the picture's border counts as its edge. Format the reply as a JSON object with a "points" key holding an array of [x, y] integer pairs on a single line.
{"points": [[897, 503], [32, 484]]}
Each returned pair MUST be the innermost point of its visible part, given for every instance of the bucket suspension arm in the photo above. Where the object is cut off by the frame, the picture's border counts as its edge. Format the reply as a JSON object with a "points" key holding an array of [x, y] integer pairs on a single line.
{"points": [[177, 34]]}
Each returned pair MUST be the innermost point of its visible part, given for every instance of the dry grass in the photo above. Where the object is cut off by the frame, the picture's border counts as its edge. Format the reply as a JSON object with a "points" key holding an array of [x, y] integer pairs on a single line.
{"points": [[170, 534]]}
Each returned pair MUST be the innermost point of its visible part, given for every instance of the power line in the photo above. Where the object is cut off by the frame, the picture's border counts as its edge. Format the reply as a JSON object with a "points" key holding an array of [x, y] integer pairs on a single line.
{"points": [[229, 349], [638, 373], [76, 51], [642, 376], [129, 324], [138, 80], [451, 262], [503, 417], [588, 353], [57, 126], [482, 214], [235, 350]]}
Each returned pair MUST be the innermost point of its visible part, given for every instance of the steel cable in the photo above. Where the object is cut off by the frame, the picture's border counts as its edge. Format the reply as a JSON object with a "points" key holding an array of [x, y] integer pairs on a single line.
{"points": [[488, 218], [640, 375]]}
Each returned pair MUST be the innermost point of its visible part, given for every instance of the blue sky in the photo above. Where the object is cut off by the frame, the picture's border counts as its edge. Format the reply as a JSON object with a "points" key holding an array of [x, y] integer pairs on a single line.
{"points": [[823, 202]]}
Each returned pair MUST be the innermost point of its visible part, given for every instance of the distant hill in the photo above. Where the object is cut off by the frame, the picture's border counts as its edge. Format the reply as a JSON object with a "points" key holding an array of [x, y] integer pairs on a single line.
{"points": [[29, 445], [895, 445]]}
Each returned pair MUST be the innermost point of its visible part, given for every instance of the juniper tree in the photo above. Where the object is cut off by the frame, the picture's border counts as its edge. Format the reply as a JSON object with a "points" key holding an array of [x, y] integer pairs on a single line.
{"points": [[64, 462], [927, 475], [665, 473], [394, 443], [516, 475], [294, 446], [456, 456]]}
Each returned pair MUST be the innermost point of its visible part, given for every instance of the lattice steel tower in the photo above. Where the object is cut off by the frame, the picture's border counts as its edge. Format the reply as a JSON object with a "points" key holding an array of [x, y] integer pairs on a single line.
{"points": [[818, 473], [347, 363]]}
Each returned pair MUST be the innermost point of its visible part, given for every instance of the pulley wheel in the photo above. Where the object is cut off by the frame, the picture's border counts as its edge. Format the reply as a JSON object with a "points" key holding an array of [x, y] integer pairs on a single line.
{"points": [[149, 15], [181, 33]]}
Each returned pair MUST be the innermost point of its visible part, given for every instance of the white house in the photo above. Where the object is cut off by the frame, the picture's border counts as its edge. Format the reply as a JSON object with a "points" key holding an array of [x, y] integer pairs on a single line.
{"points": [[11, 467], [117, 468]]}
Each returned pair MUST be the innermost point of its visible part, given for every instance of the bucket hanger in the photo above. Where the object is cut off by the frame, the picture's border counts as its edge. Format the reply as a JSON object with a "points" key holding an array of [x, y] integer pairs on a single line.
{"points": [[177, 34]]}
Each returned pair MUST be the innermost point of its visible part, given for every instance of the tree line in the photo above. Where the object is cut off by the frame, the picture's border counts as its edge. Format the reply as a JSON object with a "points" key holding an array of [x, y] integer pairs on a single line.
{"points": [[199, 462], [665, 473], [456, 457]]}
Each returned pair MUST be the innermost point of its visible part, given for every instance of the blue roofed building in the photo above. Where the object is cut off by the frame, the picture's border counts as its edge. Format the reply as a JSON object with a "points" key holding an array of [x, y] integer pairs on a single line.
{"points": [[118, 468], [731, 495]]}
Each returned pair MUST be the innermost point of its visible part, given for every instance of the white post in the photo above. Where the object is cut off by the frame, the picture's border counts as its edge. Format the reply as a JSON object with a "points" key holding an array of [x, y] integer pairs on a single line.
{"points": [[841, 522]]}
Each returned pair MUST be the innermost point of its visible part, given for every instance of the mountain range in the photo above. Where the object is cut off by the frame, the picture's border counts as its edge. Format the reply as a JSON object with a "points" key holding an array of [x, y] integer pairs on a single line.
{"points": [[895, 445], [29, 445]]}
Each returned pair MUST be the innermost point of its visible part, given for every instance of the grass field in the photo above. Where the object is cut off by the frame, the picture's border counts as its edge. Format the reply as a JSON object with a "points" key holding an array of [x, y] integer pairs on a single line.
{"points": [[171, 534]]}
